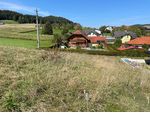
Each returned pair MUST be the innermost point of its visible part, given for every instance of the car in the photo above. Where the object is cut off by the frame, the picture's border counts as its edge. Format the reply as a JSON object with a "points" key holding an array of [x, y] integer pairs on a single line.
{"points": [[147, 62]]}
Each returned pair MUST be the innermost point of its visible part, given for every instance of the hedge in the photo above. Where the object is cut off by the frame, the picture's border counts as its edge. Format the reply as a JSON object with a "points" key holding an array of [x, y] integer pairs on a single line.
{"points": [[127, 53]]}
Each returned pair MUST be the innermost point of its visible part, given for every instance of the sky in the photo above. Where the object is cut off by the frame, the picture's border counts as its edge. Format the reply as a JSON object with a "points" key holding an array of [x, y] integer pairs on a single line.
{"points": [[89, 13]]}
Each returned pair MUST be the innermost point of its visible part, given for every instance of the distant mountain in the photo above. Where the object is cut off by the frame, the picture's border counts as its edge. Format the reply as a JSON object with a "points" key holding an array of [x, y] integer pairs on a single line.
{"points": [[21, 18], [141, 25]]}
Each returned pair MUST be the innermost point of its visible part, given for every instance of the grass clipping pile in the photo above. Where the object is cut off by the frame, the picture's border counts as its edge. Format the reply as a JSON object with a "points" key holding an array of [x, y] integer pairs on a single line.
{"points": [[37, 80]]}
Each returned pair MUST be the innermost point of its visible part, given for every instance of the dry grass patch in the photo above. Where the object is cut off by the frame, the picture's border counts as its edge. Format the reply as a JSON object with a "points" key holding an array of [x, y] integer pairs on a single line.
{"points": [[36, 80]]}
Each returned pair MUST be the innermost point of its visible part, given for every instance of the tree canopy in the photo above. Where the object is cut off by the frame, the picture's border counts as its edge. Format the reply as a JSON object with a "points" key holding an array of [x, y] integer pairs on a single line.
{"points": [[47, 29], [21, 18]]}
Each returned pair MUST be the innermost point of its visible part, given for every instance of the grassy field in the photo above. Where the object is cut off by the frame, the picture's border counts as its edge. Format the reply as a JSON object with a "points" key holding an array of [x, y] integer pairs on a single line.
{"points": [[22, 35], [8, 22], [20, 31], [38, 80], [24, 43]]}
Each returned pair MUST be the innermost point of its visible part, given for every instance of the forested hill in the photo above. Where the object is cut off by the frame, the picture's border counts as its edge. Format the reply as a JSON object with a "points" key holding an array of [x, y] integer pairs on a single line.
{"points": [[21, 18]]}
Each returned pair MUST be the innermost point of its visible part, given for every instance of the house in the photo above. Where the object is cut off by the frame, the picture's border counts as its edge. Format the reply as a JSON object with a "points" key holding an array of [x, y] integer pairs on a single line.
{"points": [[78, 38], [147, 28], [125, 36], [136, 43], [92, 33], [110, 39], [96, 41], [145, 40], [109, 28]]}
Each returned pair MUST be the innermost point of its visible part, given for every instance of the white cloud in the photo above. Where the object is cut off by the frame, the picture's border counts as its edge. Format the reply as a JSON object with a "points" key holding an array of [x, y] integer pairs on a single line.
{"points": [[18, 7]]}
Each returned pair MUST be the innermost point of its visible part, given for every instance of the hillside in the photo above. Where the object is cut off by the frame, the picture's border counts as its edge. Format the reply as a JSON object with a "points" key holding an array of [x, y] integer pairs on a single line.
{"points": [[38, 80], [21, 18]]}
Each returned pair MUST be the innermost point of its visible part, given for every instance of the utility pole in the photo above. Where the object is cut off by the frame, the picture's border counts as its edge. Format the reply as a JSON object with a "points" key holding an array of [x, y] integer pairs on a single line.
{"points": [[37, 27]]}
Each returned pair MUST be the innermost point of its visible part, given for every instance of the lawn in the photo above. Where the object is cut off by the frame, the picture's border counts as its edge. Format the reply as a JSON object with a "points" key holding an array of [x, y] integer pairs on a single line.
{"points": [[21, 31], [23, 35], [23, 43], [38, 80], [9, 22]]}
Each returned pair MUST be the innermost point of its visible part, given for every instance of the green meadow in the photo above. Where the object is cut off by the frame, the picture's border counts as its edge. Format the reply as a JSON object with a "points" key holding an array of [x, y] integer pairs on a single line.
{"points": [[23, 35], [23, 43]]}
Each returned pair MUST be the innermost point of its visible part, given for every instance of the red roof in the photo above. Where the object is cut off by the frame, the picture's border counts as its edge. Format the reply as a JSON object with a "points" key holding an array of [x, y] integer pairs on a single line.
{"points": [[140, 41], [127, 48], [78, 32], [97, 38]]}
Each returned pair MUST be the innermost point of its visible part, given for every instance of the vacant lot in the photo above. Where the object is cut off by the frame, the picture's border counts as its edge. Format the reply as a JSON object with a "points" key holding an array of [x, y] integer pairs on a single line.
{"points": [[38, 80]]}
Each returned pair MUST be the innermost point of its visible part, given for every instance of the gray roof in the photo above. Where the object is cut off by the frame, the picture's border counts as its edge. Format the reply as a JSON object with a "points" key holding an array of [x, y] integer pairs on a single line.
{"points": [[119, 34]]}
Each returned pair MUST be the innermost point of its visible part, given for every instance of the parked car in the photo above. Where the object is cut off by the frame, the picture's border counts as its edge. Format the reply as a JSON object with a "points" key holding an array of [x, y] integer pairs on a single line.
{"points": [[147, 62], [148, 52]]}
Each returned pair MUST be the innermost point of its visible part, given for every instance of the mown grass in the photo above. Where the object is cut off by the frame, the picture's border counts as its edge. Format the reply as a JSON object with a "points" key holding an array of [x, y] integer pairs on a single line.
{"points": [[21, 31], [24, 43], [38, 80], [9, 22], [23, 35]]}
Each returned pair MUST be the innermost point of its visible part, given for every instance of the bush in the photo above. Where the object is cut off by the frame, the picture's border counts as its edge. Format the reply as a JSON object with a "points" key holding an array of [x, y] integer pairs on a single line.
{"points": [[117, 43], [128, 53], [78, 48], [47, 29], [146, 47], [93, 47], [100, 46], [56, 41]]}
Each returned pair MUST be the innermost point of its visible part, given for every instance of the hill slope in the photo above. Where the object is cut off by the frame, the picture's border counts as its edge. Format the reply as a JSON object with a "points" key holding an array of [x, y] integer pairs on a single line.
{"points": [[37, 80], [21, 18]]}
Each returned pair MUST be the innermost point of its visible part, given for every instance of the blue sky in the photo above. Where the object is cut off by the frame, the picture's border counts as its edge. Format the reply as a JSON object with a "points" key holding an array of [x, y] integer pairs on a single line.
{"points": [[92, 13]]}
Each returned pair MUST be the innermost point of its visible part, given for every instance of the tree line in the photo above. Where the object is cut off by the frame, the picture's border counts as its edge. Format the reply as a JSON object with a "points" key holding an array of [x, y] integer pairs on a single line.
{"points": [[21, 18]]}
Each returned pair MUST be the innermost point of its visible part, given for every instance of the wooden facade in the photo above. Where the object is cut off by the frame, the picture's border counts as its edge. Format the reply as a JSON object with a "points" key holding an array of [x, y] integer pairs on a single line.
{"points": [[78, 39]]}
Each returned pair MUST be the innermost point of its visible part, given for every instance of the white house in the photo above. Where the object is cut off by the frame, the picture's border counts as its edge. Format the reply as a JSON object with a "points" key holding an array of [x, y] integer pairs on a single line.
{"points": [[109, 28], [93, 33]]}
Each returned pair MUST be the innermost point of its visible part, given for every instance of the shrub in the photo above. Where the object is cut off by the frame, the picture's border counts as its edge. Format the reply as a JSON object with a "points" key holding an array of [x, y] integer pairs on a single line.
{"points": [[93, 47], [78, 48], [146, 47], [57, 39], [128, 53], [117, 43], [100, 46]]}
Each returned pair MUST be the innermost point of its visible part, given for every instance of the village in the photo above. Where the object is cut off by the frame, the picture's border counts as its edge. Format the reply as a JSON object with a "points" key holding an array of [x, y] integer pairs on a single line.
{"points": [[93, 39]]}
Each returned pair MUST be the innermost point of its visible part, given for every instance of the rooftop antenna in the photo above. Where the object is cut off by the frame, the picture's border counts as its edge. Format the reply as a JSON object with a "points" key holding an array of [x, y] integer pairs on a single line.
{"points": [[37, 27]]}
